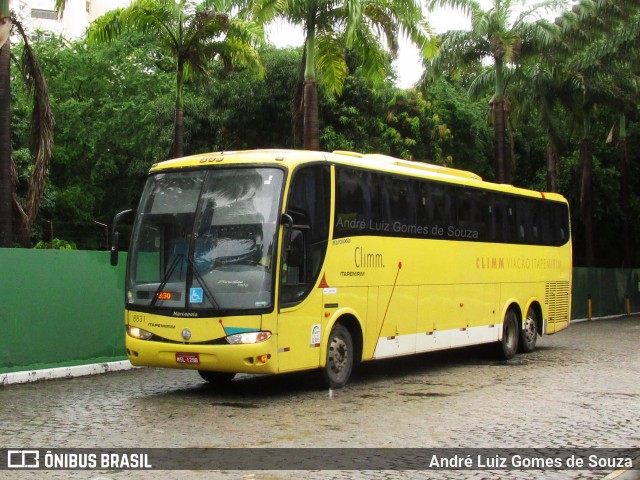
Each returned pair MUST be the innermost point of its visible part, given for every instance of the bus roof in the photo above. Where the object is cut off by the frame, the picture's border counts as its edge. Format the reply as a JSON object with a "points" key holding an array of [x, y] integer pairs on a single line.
{"points": [[376, 162], [375, 158]]}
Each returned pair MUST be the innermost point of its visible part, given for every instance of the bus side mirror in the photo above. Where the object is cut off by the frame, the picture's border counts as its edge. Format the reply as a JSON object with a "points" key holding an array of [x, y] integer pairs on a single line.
{"points": [[115, 236]]}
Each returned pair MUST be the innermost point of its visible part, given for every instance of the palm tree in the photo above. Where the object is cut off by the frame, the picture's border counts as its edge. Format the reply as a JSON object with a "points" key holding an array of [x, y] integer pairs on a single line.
{"points": [[619, 132], [504, 37], [595, 48], [331, 28], [193, 33], [6, 188], [15, 219], [538, 90]]}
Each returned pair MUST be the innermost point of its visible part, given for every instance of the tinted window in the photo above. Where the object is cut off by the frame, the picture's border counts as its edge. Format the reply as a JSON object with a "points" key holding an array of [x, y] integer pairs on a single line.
{"points": [[375, 203]]}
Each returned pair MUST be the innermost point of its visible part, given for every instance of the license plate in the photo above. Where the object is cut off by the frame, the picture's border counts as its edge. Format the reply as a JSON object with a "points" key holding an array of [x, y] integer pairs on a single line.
{"points": [[188, 358]]}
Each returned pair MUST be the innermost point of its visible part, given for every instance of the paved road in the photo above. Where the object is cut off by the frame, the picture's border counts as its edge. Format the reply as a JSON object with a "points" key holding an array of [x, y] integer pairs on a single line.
{"points": [[580, 388]]}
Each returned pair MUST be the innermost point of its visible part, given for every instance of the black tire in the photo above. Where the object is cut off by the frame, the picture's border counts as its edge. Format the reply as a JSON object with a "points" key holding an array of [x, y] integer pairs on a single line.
{"points": [[217, 378], [508, 346], [529, 332], [340, 359]]}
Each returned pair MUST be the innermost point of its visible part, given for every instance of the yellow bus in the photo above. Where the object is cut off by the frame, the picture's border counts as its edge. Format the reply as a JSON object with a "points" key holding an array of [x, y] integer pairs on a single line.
{"points": [[274, 261]]}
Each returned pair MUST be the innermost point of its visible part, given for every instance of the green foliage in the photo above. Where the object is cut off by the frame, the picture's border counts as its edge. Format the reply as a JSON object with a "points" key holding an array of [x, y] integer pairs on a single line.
{"points": [[242, 111], [335, 30], [108, 101], [354, 121], [440, 124], [194, 34], [55, 244], [469, 142], [413, 129], [114, 108]]}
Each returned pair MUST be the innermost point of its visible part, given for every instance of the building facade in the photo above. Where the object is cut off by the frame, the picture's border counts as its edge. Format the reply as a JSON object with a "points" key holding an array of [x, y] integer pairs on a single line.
{"points": [[41, 20]]}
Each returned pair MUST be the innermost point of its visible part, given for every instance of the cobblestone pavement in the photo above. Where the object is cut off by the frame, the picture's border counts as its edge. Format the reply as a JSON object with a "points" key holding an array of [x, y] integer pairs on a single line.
{"points": [[580, 388]]}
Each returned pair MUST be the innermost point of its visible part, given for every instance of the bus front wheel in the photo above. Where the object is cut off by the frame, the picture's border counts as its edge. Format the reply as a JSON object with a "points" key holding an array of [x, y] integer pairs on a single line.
{"points": [[529, 333], [339, 362], [508, 346]]}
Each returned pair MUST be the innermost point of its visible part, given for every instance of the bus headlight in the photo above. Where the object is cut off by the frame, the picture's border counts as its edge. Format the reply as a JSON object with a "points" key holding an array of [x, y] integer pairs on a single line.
{"points": [[138, 333], [250, 337]]}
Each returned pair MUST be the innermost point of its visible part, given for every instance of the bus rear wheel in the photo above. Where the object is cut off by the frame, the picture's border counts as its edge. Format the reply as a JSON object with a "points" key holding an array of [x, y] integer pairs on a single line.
{"points": [[529, 332], [217, 378], [339, 362], [508, 346]]}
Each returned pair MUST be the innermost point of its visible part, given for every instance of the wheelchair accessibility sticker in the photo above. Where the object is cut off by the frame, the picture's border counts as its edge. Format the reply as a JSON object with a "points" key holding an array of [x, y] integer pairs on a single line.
{"points": [[196, 295]]}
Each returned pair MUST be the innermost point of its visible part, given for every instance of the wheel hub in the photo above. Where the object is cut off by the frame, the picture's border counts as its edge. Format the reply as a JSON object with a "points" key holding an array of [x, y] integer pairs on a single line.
{"points": [[530, 329], [338, 354]]}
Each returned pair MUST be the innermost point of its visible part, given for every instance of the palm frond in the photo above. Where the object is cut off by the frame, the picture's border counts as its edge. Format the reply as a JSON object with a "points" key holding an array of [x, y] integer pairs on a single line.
{"points": [[383, 23], [106, 28], [465, 6], [483, 84], [374, 59], [331, 63], [264, 11], [353, 15], [42, 125]]}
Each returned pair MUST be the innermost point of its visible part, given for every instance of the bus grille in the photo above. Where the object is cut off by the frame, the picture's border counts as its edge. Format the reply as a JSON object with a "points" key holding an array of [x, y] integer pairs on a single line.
{"points": [[556, 297]]}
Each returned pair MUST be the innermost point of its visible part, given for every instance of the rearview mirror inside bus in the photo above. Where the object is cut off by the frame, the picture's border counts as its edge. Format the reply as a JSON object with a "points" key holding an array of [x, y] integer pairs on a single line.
{"points": [[295, 257]]}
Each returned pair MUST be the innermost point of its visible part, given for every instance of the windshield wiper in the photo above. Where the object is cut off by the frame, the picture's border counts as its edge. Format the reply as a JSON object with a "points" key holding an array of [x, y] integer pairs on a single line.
{"points": [[166, 278]]}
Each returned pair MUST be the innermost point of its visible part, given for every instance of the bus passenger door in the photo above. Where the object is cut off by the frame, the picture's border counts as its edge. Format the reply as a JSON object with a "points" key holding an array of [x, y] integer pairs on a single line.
{"points": [[299, 324], [306, 233]]}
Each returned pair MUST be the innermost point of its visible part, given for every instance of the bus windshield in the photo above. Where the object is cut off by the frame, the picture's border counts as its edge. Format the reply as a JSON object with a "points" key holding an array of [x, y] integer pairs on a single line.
{"points": [[204, 239]]}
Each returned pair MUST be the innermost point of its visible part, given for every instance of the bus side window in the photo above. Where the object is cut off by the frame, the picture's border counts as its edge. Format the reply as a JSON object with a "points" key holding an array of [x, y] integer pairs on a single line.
{"points": [[503, 226], [440, 200], [463, 208], [398, 203]]}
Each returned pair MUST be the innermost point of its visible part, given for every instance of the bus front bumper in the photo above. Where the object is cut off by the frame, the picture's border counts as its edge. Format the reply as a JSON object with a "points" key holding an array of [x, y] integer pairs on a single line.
{"points": [[243, 358]]}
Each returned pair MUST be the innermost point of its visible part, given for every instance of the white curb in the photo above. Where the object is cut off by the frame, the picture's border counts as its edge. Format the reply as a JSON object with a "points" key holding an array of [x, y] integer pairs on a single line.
{"points": [[63, 372]]}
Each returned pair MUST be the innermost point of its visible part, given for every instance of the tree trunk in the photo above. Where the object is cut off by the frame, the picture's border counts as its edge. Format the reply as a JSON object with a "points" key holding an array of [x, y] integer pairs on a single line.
{"points": [[297, 109], [178, 138], [510, 167], [311, 128], [6, 185], [497, 105], [178, 149], [586, 200], [623, 168], [552, 168]]}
